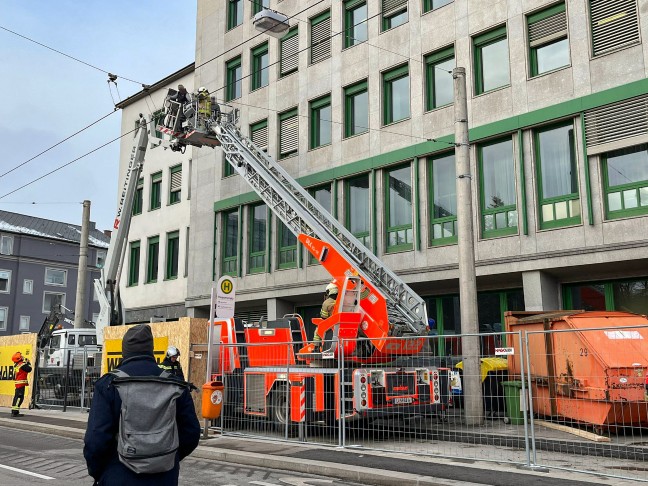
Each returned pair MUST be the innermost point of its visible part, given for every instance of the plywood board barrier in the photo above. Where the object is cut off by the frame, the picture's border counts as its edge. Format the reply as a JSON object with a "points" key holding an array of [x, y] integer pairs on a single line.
{"points": [[26, 344]]}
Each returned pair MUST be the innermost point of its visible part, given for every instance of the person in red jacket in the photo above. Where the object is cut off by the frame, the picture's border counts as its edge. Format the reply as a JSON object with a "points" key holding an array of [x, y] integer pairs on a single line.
{"points": [[22, 368]]}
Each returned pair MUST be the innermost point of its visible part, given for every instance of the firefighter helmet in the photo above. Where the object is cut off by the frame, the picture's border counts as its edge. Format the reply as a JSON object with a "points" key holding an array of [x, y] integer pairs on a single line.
{"points": [[17, 357], [331, 289], [173, 351]]}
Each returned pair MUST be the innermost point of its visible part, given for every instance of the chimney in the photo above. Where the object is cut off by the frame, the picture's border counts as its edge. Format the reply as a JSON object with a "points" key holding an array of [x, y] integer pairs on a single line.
{"points": [[93, 226], [108, 233]]}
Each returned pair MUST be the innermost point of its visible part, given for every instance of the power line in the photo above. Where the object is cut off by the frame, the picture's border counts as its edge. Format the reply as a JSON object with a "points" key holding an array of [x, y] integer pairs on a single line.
{"points": [[67, 55], [57, 144], [40, 203]]}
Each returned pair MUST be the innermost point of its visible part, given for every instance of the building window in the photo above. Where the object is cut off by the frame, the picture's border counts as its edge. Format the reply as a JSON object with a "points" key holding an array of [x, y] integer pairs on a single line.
{"points": [[396, 93], [55, 276], [398, 209], [625, 181], [28, 286], [156, 191], [259, 134], [322, 195], [559, 202], [24, 323], [287, 247], [289, 61], [138, 203], [615, 295], [175, 184], [320, 39], [260, 62], [548, 42], [356, 109], [230, 242], [614, 24], [134, 263], [101, 258], [172, 253], [320, 118], [394, 13], [258, 238], [6, 245], [434, 4], [355, 22], [288, 133], [4, 317], [491, 60], [52, 300], [234, 76], [258, 5], [234, 13], [186, 262], [439, 86], [152, 258], [497, 182], [358, 208], [5, 281], [443, 198]]}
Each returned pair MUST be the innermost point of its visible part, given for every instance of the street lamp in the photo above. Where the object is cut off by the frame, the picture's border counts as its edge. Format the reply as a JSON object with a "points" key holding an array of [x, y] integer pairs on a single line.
{"points": [[271, 22]]}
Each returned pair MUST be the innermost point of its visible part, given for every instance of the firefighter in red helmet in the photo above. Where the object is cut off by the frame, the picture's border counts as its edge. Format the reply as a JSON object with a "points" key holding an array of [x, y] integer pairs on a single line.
{"points": [[22, 368]]}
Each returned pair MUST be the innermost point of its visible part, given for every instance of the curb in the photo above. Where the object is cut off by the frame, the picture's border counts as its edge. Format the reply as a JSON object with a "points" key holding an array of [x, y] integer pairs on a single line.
{"points": [[68, 432]]}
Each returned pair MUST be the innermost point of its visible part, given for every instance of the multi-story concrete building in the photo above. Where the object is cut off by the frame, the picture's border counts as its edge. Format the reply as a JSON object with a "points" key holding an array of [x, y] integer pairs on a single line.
{"points": [[39, 261], [154, 280]]}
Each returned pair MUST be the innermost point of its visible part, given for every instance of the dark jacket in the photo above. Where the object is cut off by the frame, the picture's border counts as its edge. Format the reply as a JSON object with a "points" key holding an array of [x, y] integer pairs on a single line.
{"points": [[174, 368], [100, 450]]}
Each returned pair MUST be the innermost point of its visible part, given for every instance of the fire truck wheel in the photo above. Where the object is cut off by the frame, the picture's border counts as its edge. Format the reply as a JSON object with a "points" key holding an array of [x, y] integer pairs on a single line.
{"points": [[280, 411]]}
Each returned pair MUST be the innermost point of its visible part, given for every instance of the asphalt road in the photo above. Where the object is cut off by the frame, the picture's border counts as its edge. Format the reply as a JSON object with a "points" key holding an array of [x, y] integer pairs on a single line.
{"points": [[47, 459]]}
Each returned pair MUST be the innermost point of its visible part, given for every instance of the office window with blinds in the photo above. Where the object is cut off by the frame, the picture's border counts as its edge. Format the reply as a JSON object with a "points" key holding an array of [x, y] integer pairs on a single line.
{"points": [[548, 39], [614, 23], [259, 134], [394, 13], [175, 185], [288, 133], [289, 61], [320, 38]]}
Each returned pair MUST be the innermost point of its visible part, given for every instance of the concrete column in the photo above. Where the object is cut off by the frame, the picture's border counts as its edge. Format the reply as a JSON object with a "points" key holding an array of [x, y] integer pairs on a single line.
{"points": [[541, 291], [82, 274], [277, 308]]}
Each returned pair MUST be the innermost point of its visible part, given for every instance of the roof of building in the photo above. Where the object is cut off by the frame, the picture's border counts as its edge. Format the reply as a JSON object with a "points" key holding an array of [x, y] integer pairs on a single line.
{"points": [[46, 228], [154, 87]]}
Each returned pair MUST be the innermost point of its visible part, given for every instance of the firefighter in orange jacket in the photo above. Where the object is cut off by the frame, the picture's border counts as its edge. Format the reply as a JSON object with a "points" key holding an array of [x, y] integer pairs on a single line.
{"points": [[22, 368]]}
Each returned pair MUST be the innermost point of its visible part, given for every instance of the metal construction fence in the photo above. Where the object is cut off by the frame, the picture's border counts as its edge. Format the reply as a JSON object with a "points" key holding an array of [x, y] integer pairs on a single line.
{"points": [[556, 398], [71, 385]]}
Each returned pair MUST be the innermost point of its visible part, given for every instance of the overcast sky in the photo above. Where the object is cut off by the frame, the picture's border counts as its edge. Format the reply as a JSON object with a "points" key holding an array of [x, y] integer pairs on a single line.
{"points": [[47, 97]]}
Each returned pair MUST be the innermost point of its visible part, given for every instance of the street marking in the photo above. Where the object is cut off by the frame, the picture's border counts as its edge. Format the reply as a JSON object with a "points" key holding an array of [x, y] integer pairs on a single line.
{"points": [[22, 471], [305, 481], [261, 483]]}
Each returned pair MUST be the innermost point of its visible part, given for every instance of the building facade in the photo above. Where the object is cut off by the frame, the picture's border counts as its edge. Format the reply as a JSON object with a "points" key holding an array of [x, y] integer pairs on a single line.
{"points": [[356, 102], [39, 261], [153, 284]]}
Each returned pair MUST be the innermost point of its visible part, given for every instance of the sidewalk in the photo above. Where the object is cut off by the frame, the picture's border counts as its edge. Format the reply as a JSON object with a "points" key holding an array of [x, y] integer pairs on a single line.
{"points": [[356, 465]]}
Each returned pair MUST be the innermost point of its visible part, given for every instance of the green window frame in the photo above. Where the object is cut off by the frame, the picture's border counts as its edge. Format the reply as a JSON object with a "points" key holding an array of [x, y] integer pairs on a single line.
{"points": [[394, 13], [499, 215], [429, 5], [355, 23], [172, 255], [228, 170], [323, 194], [625, 181], [133, 263], [356, 109], [138, 202], [234, 13], [357, 202], [288, 133], [286, 247], [559, 201], [320, 37], [158, 119], [320, 122], [152, 259], [626, 295], [289, 52], [396, 99], [258, 238], [260, 60], [488, 47], [258, 5], [230, 242], [259, 134], [443, 199], [439, 85], [156, 191], [548, 40], [234, 79], [175, 184], [399, 209]]}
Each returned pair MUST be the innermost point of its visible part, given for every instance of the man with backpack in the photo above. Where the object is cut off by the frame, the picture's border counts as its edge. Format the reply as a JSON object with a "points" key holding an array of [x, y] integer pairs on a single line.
{"points": [[142, 421]]}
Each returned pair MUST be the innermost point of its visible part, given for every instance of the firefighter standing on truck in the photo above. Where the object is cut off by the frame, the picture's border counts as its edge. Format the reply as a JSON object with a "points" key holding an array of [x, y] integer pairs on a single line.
{"points": [[171, 363], [330, 295], [22, 368]]}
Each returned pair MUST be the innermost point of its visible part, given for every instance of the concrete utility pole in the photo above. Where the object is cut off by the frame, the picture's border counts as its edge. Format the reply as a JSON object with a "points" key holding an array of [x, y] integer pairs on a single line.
{"points": [[472, 385], [79, 307]]}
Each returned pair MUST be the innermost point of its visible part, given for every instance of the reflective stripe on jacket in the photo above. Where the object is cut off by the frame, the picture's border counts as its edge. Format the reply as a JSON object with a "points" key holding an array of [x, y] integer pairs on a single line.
{"points": [[21, 370]]}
